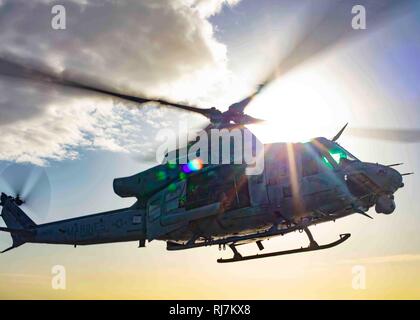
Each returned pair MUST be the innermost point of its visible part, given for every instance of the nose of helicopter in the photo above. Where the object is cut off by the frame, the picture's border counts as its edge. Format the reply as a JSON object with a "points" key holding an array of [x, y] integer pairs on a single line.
{"points": [[392, 179], [386, 178], [382, 180]]}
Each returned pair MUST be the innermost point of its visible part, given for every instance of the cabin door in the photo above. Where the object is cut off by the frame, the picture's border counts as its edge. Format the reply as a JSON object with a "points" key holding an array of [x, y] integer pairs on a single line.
{"points": [[154, 212]]}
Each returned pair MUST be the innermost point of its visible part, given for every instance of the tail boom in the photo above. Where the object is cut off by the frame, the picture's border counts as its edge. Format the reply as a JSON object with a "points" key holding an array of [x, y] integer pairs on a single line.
{"points": [[18, 224]]}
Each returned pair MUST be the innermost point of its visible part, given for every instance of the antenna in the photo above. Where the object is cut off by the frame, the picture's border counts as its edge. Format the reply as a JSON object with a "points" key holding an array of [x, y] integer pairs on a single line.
{"points": [[338, 135]]}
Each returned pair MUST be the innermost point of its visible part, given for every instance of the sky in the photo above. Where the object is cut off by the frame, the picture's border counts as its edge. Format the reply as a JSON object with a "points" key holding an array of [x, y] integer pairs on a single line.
{"points": [[206, 53]]}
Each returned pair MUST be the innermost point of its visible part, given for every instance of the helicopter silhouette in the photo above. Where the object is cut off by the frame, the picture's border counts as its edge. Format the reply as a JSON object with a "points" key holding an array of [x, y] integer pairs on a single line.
{"points": [[195, 204]]}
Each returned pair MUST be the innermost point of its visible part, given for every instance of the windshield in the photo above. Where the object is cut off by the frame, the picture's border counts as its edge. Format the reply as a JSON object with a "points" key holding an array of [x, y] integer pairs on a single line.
{"points": [[332, 150], [338, 153]]}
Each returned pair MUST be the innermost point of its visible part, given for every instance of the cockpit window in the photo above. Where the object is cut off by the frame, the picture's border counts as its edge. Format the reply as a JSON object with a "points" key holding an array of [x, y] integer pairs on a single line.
{"points": [[327, 162], [332, 151], [338, 154]]}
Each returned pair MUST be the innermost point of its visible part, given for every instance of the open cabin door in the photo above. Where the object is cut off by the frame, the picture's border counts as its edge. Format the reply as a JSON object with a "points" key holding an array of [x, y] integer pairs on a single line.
{"points": [[227, 184], [153, 215], [166, 210]]}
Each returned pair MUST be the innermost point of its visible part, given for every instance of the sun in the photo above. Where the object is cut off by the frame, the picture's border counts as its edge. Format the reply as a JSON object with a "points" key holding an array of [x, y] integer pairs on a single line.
{"points": [[300, 106]]}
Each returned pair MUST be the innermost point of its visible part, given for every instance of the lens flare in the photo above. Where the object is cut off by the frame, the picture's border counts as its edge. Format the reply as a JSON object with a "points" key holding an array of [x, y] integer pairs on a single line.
{"points": [[195, 165]]}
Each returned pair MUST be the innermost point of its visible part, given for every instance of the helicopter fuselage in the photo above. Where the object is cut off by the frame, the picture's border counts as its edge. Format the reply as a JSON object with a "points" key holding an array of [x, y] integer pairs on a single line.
{"points": [[302, 184]]}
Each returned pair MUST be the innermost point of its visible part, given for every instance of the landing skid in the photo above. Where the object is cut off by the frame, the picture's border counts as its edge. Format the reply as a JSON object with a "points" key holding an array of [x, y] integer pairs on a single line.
{"points": [[312, 247]]}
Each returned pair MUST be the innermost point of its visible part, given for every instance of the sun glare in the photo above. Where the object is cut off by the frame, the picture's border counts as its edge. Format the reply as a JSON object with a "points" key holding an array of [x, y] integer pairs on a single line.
{"points": [[299, 107]]}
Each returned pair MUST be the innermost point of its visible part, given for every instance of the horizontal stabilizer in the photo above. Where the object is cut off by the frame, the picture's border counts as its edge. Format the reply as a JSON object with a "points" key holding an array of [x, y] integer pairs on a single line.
{"points": [[17, 231], [10, 248]]}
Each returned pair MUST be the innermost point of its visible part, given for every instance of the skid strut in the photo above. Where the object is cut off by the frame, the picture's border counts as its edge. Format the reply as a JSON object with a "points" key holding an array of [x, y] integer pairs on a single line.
{"points": [[312, 242], [313, 246]]}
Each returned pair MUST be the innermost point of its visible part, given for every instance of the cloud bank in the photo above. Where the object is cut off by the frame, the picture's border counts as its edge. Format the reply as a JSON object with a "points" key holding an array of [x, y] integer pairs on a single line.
{"points": [[160, 48]]}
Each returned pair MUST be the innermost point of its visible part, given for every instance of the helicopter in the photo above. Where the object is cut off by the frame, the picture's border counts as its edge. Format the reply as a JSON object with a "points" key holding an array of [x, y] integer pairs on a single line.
{"points": [[192, 204]]}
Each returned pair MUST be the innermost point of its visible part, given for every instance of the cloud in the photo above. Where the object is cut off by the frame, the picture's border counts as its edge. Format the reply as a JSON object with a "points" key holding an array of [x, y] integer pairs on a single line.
{"points": [[208, 8], [160, 48]]}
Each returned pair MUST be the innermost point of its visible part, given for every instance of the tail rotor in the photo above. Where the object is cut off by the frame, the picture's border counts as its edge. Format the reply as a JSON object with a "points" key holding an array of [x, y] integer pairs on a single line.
{"points": [[28, 186]]}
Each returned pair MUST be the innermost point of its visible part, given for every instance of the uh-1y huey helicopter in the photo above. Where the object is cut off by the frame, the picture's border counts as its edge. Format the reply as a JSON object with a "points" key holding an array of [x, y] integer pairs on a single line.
{"points": [[194, 204]]}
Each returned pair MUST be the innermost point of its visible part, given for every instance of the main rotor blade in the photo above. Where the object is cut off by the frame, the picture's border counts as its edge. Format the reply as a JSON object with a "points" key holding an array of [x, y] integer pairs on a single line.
{"points": [[396, 135], [246, 119], [35, 72], [333, 28], [240, 106]]}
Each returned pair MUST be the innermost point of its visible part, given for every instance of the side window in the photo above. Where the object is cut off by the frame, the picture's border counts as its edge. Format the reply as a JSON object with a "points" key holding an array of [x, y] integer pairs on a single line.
{"points": [[309, 165]]}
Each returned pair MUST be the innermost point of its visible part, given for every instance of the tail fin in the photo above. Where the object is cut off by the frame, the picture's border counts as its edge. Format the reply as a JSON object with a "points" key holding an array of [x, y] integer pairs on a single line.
{"points": [[18, 223]]}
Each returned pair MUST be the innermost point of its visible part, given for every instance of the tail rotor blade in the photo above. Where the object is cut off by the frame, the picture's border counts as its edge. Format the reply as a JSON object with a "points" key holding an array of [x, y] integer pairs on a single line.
{"points": [[15, 178], [38, 197], [31, 184]]}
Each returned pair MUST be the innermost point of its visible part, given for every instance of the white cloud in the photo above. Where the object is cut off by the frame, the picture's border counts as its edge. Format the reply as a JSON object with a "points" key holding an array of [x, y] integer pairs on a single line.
{"points": [[208, 8], [158, 48]]}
